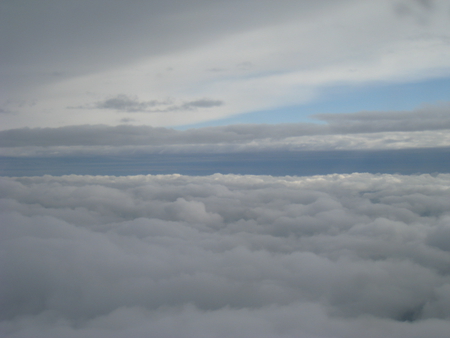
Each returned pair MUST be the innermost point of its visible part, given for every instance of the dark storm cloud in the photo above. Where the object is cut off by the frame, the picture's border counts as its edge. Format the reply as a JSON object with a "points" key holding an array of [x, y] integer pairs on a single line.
{"points": [[124, 103], [225, 256]]}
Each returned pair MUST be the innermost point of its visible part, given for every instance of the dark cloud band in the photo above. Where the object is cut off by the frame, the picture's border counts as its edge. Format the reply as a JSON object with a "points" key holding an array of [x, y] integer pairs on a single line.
{"points": [[387, 127]]}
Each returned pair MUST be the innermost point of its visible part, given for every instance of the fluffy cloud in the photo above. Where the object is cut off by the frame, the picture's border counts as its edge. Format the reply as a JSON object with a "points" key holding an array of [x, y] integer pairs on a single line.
{"points": [[225, 256]]}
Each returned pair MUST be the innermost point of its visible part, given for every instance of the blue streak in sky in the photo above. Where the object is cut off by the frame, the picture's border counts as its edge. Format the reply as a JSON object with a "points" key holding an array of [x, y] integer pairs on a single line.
{"points": [[349, 99]]}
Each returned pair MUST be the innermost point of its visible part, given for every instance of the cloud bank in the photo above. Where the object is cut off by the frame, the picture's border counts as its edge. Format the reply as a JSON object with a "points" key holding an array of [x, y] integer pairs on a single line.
{"points": [[225, 256], [424, 127]]}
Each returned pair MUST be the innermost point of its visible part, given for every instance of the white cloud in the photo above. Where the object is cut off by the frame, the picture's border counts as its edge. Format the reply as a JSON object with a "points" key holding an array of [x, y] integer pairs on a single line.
{"points": [[225, 255]]}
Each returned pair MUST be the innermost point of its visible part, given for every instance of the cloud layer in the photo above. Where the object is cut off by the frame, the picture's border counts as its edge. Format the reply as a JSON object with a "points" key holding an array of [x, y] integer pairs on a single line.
{"points": [[225, 256], [424, 127]]}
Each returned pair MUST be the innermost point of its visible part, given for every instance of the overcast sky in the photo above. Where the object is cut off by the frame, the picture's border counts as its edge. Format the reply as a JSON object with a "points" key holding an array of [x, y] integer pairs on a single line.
{"points": [[197, 62]]}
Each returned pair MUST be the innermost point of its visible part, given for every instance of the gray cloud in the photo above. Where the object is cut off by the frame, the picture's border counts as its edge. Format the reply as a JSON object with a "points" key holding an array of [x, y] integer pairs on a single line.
{"points": [[425, 127], [127, 104], [224, 256], [425, 118], [126, 120], [124, 103], [203, 103], [418, 9], [85, 36]]}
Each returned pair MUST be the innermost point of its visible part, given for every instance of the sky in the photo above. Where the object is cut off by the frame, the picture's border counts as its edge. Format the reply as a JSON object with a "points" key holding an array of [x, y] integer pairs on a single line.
{"points": [[218, 169], [205, 63]]}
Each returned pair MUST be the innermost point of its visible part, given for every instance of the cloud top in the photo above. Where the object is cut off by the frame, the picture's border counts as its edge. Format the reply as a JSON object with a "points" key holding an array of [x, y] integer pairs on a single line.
{"points": [[323, 256]]}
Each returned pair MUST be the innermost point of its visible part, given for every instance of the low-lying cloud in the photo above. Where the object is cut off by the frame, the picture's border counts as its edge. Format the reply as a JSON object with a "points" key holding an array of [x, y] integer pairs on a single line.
{"points": [[225, 256], [421, 128]]}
